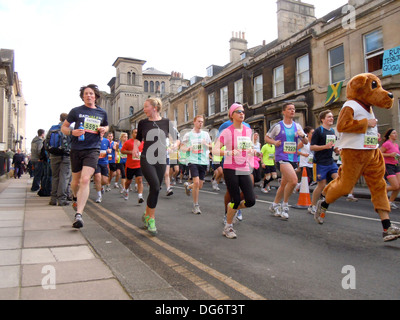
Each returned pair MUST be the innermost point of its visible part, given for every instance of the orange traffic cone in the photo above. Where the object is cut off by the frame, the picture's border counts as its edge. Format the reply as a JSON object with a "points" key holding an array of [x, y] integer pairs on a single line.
{"points": [[304, 196]]}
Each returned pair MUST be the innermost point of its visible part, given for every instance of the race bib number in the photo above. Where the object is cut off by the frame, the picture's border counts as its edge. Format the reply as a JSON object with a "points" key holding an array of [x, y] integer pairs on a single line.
{"points": [[138, 158], [310, 159], [370, 141], [197, 146], [103, 154], [289, 147], [91, 125], [330, 138], [244, 143]]}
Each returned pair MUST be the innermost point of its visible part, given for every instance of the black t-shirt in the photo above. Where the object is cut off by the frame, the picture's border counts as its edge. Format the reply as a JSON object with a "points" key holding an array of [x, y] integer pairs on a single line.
{"points": [[154, 134], [91, 119], [320, 138]]}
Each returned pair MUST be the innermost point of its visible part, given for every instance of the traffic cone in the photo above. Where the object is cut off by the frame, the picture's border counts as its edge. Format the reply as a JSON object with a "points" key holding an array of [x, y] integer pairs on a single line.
{"points": [[304, 196]]}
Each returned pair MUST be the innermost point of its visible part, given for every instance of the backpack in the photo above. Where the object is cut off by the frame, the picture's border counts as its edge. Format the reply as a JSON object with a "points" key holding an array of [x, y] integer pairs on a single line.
{"points": [[57, 143]]}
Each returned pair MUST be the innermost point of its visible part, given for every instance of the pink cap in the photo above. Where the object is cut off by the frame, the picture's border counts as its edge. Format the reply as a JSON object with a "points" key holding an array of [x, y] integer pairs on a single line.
{"points": [[233, 108]]}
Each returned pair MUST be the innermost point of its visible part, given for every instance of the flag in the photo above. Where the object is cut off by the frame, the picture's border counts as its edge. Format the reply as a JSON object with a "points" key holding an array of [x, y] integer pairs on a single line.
{"points": [[333, 93]]}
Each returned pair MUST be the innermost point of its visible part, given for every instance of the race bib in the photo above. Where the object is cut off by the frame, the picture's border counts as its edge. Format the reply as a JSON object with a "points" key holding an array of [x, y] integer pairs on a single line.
{"points": [[330, 138], [244, 143], [103, 154], [310, 159], [289, 147], [91, 125], [197, 146], [370, 141], [138, 158]]}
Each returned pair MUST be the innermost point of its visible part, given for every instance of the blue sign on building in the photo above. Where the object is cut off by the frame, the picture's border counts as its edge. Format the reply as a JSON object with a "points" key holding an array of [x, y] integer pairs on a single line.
{"points": [[391, 62]]}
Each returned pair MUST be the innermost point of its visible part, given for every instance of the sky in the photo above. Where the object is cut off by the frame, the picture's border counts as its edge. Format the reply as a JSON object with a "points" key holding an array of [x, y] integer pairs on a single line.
{"points": [[62, 45]]}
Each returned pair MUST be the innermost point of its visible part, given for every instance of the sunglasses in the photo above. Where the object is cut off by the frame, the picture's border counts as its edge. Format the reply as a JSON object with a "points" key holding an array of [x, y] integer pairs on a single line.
{"points": [[238, 111]]}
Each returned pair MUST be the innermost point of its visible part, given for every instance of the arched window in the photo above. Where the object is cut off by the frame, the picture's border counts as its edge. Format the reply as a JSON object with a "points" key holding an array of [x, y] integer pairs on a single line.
{"points": [[146, 86], [133, 78], [131, 110], [162, 87], [157, 86], [129, 78], [151, 86]]}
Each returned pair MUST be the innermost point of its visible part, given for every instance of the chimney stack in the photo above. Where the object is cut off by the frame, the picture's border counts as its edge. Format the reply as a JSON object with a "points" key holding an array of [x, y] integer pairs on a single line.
{"points": [[238, 44], [293, 16]]}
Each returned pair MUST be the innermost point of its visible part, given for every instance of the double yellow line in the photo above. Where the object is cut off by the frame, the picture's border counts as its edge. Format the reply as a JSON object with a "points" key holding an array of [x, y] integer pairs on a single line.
{"points": [[183, 271]]}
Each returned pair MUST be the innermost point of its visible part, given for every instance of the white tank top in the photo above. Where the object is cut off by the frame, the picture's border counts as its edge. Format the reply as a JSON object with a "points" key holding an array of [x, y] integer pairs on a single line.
{"points": [[361, 141]]}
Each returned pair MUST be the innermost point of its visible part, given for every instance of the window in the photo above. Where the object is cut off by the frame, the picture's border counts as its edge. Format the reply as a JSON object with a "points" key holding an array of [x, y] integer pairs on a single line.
{"points": [[373, 51], [151, 86], [162, 87], [279, 85], [239, 91], [336, 64], [211, 104], [224, 99], [129, 78], [158, 86], [176, 116], [258, 89], [131, 110], [186, 113], [195, 108], [303, 72], [146, 86]]}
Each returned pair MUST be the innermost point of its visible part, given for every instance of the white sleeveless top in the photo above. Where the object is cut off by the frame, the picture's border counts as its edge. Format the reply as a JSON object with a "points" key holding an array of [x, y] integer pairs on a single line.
{"points": [[361, 141]]}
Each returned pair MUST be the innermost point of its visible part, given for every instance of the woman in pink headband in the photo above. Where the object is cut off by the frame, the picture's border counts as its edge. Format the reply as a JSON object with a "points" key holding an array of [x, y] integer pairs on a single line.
{"points": [[237, 140]]}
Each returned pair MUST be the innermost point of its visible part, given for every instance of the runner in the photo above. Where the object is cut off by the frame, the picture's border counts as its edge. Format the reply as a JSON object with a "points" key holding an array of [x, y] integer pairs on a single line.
{"points": [[101, 172], [132, 167], [237, 139], [112, 157], [153, 131], [323, 144], [391, 155], [217, 162], [198, 143], [268, 166], [85, 150], [285, 136], [121, 161]]}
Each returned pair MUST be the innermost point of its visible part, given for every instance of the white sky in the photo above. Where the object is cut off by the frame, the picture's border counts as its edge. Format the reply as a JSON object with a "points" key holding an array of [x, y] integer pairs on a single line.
{"points": [[61, 45]]}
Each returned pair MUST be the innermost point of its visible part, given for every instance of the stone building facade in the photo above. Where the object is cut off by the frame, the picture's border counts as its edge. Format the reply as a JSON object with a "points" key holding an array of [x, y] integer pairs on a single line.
{"points": [[12, 105]]}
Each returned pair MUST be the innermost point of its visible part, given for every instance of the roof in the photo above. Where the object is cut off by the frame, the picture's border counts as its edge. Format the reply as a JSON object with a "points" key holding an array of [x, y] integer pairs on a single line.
{"points": [[153, 71]]}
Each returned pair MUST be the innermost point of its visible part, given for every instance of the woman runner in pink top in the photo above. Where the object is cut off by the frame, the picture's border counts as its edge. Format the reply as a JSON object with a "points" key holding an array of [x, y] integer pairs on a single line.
{"points": [[390, 151], [237, 140]]}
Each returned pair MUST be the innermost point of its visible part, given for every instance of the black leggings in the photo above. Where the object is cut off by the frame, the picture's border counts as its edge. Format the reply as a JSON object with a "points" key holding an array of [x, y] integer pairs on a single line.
{"points": [[154, 174], [236, 182]]}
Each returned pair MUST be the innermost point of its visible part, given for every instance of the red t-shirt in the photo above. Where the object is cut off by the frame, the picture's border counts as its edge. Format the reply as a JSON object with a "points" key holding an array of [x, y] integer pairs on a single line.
{"points": [[130, 161]]}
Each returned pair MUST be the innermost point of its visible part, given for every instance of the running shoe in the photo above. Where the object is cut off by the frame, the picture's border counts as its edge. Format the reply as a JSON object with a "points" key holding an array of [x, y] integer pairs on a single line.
{"points": [[151, 227], [126, 194], [275, 210], [145, 220], [264, 190], [393, 205], [140, 200], [320, 212], [229, 232], [99, 198], [285, 213], [196, 209], [78, 222], [116, 185], [311, 209], [391, 234], [239, 215], [108, 188], [351, 198], [169, 192], [187, 190]]}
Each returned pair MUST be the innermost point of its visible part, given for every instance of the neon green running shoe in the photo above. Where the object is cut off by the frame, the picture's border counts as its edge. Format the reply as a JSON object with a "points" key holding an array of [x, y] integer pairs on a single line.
{"points": [[151, 226], [145, 220]]}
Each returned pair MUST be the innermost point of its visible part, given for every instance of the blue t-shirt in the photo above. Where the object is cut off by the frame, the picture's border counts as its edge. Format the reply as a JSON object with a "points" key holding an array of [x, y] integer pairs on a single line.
{"points": [[104, 145], [91, 119], [226, 124]]}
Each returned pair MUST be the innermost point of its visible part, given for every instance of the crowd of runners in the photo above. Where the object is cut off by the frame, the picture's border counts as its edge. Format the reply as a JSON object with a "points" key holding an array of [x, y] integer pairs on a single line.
{"points": [[157, 154]]}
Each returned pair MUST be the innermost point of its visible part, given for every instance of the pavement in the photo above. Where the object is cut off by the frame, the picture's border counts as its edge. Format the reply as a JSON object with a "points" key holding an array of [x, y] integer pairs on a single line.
{"points": [[43, 258]]}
